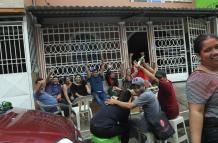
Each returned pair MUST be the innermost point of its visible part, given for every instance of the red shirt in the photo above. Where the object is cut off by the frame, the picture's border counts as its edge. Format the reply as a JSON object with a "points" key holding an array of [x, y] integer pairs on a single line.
{"points": [[167, 99], [139, 74]]}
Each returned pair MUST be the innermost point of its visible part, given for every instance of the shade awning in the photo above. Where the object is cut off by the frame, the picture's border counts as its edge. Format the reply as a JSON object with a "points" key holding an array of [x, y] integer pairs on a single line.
{"points": [[122, 12]]}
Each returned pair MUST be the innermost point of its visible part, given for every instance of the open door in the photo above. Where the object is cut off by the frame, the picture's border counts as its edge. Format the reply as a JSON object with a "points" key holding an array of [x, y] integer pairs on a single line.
{"points": [[195, 28]]}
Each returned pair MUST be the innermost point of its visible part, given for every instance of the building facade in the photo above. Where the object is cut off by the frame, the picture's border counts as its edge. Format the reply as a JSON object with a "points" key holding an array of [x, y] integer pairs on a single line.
{"points": [[15, 68], [66, 34], [73, 33]]}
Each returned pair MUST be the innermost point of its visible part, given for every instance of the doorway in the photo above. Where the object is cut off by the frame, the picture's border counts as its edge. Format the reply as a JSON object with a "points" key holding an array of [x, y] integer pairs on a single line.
{"points": [[138, 46]]}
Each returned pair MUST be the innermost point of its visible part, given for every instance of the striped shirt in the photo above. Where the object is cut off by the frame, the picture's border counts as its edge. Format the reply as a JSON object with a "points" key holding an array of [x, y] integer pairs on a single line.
{"points": [[202, 88]]}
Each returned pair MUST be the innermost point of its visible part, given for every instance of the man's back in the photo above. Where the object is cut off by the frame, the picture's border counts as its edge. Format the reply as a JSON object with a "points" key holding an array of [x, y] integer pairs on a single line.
{"points": [[167, 99], [148, 101], [109, 115]]}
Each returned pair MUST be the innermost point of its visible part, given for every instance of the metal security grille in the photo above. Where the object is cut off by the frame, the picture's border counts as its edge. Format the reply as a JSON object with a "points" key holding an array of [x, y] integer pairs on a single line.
{"points": [[195, 28], [136, 27], [12, 54], [69, 46], [169, 39]]}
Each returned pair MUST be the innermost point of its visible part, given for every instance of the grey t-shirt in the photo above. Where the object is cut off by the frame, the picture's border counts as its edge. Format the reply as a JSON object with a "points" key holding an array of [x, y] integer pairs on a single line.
{"points": [[202, 88], [149, 102]]}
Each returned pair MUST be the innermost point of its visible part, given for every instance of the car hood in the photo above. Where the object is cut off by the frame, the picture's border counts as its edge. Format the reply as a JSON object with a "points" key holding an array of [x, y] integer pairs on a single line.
{"points": [[33, 126]]}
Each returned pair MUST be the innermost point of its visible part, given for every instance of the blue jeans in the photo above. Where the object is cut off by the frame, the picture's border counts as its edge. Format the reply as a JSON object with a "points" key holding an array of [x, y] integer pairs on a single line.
{"points": [[100, 97]]}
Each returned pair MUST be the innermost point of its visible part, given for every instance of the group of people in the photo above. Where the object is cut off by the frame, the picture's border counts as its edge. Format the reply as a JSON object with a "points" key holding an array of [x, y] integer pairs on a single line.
{"points": [[116, 104], [113, 119], [50, 92]]}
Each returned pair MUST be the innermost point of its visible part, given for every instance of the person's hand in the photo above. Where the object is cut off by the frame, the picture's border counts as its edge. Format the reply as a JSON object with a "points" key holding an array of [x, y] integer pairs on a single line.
{"points": [[146, 64], [87, 64], [42, 81], [109, 66], [131, 54], [103, 61], [136, 65], [110, 101], [115, 88], [52, 70], [132, 92], [58, 97], [89, 91], [71, 98]]}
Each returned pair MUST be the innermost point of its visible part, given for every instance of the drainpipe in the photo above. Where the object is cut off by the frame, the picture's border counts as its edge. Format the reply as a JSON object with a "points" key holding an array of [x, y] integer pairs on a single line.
{"points": [[34, 2]]}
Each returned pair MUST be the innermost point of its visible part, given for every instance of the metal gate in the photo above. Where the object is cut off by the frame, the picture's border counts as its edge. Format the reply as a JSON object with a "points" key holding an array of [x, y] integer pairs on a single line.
{"points": [[169, 41], [15, 73], [69, 46], [195, 28]]}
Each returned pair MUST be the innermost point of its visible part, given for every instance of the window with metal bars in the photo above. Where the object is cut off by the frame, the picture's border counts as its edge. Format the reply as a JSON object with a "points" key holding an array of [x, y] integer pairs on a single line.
{"points": [[12, 54], [69, 46]]}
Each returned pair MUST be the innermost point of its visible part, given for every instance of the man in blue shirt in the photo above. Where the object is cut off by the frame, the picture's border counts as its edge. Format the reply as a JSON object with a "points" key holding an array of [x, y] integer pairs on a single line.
{"points": [[54, 88], [42, 96], [96, 79]]}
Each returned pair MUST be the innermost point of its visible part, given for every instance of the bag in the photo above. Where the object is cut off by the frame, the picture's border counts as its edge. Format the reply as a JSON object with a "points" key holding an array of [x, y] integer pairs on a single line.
{"points": [[161, 127]]}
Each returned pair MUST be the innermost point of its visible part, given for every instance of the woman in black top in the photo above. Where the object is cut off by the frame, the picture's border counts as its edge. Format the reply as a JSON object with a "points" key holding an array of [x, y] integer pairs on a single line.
{"points": [[112, 120], [80, 87]]}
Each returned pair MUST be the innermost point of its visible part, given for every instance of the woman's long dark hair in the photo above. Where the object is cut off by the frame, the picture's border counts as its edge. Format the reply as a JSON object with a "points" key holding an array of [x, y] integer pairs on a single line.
{"points": [[109, 79], [82, 80]]}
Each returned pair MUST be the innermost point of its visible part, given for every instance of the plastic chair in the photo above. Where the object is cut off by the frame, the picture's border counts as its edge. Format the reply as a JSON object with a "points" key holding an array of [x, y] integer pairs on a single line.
{"points": [[96, 139], [176, 138], [83, 107], [57, 111]]}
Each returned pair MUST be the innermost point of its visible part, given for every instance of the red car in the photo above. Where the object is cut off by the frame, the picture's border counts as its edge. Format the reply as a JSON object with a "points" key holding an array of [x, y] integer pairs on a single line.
{"points": [[31, 126]]}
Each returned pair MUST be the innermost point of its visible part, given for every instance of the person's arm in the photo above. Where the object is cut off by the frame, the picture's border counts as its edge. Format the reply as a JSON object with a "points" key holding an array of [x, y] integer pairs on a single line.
{"points": [[58, 97], [146, 72], [135, 72], [66, 94], [49, 75], [127, 105], [88, 90], [102, 68], [116, 88], [87, 70], [196, 117], [123, 71], [77, 94], [38, 87], [150, 69], [130, 59]]}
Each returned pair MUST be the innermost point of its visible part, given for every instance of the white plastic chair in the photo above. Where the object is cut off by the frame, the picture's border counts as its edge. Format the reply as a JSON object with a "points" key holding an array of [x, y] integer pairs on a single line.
{"points": [[57, 106], [83, 107], [176, 138]]}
